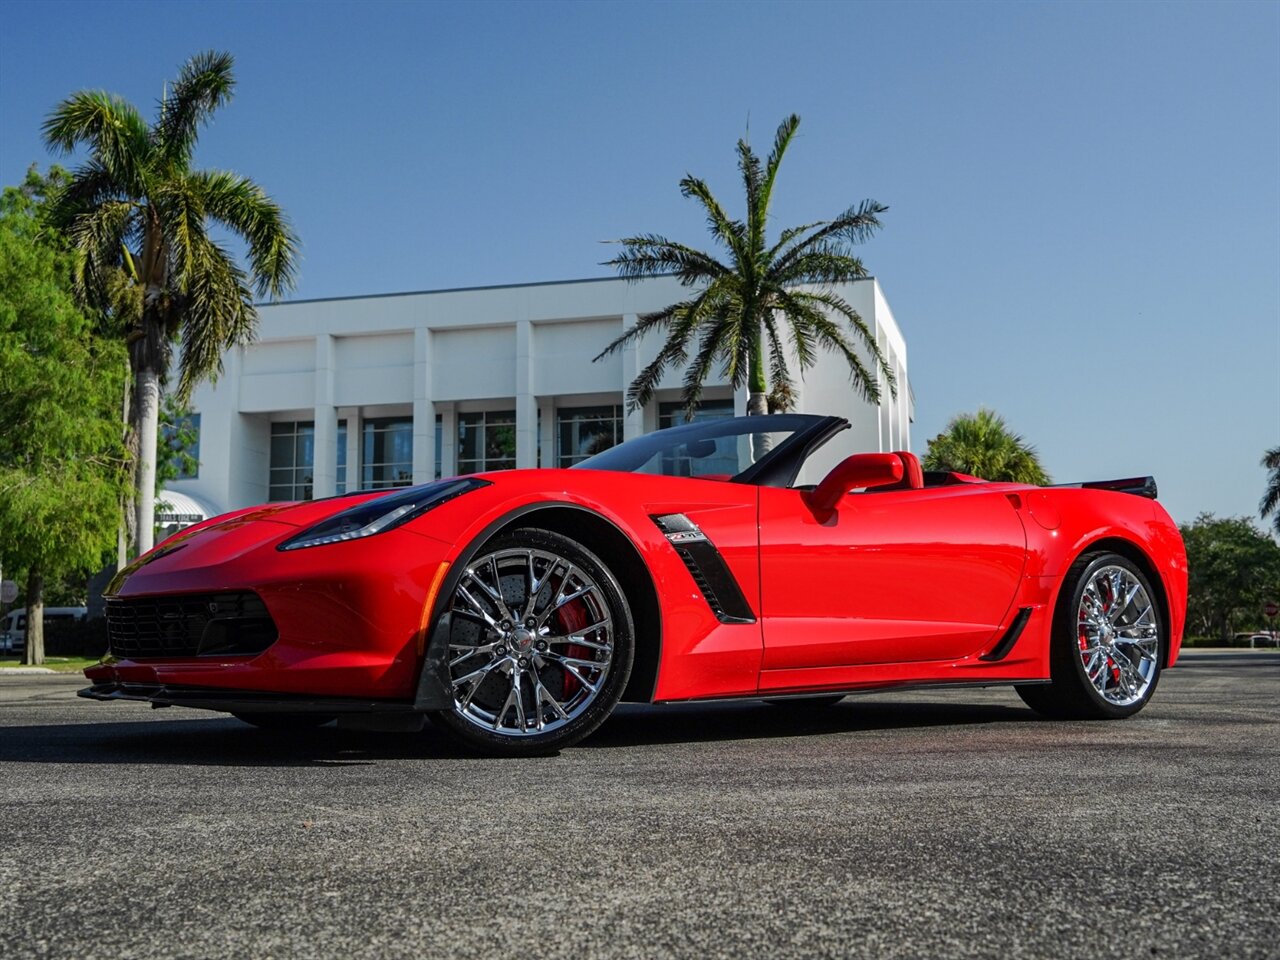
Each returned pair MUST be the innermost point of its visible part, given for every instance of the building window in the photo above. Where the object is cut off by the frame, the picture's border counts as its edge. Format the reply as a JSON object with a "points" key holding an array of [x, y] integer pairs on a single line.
{"points": [[439, 445], [724, 463], [486, 441], [341, 486], [387, 459], [293, 457], [582, 432]]}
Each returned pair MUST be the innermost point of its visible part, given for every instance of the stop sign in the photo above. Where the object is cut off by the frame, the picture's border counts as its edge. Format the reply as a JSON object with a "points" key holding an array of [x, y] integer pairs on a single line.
{"points": [[1272, 608]]}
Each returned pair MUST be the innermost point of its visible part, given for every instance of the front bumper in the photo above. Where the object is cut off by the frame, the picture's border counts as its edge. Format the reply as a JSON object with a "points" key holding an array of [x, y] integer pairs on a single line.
{"points": [[240, 701]]}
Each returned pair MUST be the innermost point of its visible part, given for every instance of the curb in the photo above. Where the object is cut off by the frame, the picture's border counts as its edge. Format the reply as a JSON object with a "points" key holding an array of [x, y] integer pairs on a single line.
{"points": [[16, 671]]}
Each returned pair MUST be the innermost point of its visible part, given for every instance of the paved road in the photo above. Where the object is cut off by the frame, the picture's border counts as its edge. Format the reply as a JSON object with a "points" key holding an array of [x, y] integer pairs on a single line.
{"points": [[895, 825]]}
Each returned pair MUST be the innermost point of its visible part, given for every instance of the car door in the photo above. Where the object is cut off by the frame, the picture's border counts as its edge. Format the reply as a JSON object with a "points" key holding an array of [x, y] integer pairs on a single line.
{"points": [[891, 576]]}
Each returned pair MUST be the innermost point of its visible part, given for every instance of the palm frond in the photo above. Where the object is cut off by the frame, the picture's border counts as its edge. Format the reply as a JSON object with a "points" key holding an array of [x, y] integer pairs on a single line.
{"points": [[780, 381], [204, 84], [781, 140], [242, 206], [111, 127], [856, 225], [709, 347], [732, 233], [644, 323], [219, 313], [674, 350], [1270, 502], [837, 304], [649, 255], [824, 264], [802, 312], [99, 234]]}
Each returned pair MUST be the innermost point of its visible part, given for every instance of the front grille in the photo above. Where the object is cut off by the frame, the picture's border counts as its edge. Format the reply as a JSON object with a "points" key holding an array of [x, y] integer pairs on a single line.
{"points": [[189, 625]]}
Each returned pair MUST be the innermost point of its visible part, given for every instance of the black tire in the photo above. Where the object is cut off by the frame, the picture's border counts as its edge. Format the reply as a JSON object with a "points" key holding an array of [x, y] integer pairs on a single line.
{"points": [[284, 721], [818, 701], [1071, 695], [607, 598]]}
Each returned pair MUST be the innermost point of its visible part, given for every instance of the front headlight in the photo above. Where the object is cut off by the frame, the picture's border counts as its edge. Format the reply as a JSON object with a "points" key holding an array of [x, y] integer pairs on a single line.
{"points": [[383, 514]]}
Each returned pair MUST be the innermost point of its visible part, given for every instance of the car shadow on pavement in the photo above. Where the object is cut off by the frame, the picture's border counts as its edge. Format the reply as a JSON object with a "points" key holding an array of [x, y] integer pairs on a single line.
{"points": [[218, 741], [636, 724]]}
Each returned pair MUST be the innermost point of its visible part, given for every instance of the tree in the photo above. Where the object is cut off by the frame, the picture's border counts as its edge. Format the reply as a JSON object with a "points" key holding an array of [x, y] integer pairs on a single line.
{"points": [[1234, 569], [62, 459], [982, 445], [1271, 498], [745, 308], [138, 210]]}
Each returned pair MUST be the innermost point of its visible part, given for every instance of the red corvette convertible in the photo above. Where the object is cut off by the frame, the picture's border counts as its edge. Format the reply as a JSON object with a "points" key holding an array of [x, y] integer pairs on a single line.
{"points": [[517, 608]]}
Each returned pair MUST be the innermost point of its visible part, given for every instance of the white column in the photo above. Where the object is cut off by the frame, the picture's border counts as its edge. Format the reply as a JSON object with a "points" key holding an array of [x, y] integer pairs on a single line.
{"points": [[633, 421], [547, 417], [424, 411], [325, 468], [352, 416], [449, 439], [526, 403]]}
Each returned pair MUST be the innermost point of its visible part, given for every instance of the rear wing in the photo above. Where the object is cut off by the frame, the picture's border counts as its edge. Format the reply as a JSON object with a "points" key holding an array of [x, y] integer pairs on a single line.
{"points": [[1138, 486]]}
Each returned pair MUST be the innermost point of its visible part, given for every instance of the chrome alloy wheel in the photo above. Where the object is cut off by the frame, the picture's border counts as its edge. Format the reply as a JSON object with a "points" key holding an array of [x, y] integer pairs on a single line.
{"points": [[531, 643], [1118, 635]]}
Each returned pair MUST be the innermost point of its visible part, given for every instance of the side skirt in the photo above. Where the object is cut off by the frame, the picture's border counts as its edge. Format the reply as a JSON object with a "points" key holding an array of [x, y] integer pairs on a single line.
{"points": [[854, 691]]}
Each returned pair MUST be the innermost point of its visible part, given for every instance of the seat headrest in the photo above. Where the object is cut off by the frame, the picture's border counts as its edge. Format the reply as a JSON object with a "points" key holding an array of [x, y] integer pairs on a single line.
{"points": [[912, 472]]}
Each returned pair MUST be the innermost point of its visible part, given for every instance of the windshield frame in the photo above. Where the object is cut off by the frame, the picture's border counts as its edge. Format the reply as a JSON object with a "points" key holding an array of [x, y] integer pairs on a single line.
{"points": [[777, 468]]}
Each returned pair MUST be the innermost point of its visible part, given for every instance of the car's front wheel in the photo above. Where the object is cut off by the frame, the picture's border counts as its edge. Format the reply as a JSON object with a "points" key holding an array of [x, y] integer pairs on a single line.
{"points": [[541, 644], [1108, 639]]}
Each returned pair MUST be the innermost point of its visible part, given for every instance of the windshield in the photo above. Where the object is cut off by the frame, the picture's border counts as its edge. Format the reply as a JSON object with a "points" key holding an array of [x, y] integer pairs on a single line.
{"points": [[715, 449]]}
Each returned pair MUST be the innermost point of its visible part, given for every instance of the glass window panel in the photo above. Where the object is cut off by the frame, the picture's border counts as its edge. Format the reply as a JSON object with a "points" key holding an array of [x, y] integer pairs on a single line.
{"points": [[281, 450], [439, 445], [585, 431]]}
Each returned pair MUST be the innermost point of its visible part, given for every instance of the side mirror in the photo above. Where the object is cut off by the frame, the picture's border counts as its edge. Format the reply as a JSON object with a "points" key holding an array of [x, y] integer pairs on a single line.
{"points": [[854, 473]]}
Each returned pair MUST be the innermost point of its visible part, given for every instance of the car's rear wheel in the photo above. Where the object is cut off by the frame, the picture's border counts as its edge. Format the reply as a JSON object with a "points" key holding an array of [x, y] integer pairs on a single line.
{"points": [[541, 644], [284, 721], [1107, 642]]}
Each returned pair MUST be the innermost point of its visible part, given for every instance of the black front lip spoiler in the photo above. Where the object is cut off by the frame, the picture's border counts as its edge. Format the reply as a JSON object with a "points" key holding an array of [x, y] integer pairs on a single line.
{"points": [[239, 701]]}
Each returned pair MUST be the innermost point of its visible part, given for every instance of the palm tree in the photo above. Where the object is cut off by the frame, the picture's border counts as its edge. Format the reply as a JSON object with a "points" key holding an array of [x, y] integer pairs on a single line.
{"points": [[743, 307], [1271, 499], [982, 445], [137, 210]]}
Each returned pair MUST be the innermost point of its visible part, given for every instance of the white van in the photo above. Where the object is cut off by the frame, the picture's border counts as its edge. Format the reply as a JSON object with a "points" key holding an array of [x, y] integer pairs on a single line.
{"points": [[13, 628]]}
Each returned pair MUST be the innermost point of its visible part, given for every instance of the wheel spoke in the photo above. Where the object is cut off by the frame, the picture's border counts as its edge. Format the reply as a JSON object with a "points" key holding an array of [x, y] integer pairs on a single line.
{"points": [[1125, 601], [479, 609]]}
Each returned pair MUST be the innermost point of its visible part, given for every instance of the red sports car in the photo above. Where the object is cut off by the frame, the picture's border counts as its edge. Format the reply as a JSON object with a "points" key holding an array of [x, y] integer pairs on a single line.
{"points": [[518, 608]]}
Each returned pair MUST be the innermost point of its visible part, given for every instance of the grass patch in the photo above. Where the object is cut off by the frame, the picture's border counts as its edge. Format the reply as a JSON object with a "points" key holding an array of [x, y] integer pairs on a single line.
{"points": [[60, 664]]}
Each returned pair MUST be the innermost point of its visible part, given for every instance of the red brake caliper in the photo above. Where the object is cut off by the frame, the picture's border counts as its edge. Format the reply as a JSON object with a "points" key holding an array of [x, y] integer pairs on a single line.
{"points": [[572, 617]]}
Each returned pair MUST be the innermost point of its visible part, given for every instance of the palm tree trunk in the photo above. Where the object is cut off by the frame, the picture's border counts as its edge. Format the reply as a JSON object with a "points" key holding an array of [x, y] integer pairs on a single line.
{"points": [[34, 653], [122, 536], [758, 396], [148, 422]]}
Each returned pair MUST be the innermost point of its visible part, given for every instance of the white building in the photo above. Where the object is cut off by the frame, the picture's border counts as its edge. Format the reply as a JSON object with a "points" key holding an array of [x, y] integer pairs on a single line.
{"points": [[395, 389]]}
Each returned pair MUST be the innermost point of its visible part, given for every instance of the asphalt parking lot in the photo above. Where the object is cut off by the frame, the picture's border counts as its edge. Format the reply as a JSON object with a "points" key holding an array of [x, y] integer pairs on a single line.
{"points": [[894, 825]]}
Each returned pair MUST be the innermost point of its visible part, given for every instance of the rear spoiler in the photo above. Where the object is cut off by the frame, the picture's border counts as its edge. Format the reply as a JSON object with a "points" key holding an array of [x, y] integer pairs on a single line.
{"points": [[1138, 486]]}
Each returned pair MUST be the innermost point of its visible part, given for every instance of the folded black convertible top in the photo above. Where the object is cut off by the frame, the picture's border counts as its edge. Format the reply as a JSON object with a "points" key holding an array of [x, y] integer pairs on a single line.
{"points": [[1139, 486]]}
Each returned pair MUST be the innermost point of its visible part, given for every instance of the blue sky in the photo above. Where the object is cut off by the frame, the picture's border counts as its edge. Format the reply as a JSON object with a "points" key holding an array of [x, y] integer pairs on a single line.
{"points": [[1084, 223]]}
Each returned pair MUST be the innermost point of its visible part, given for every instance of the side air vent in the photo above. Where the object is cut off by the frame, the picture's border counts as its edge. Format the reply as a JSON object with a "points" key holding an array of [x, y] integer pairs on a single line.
{"points": [[711, 575]]}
